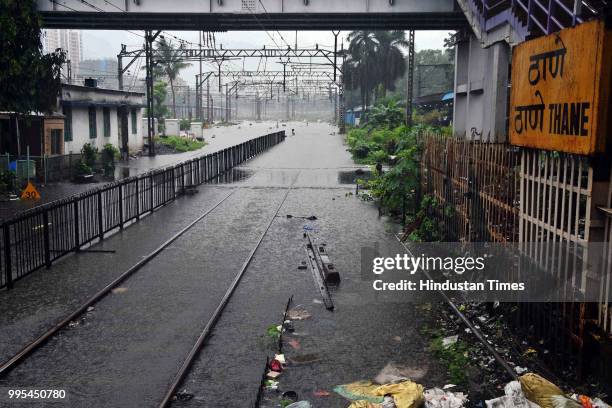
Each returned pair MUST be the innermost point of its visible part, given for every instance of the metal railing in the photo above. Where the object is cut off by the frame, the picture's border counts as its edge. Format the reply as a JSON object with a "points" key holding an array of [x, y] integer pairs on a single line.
{"points": [[38, 237], [530, 18]]}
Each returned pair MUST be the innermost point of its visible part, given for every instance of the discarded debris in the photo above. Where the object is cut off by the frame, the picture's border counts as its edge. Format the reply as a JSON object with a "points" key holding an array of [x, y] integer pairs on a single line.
{"points": [[273, 374], [90, 309], [438, 398], [449, 341], [183, 396], [298, 314], [275, 365], [280, 358], [406, 394], [520, 370], [321, 393], [300, 404], [539, 390], [119, 290], [513, 398], [274, 331], [394, 373]]}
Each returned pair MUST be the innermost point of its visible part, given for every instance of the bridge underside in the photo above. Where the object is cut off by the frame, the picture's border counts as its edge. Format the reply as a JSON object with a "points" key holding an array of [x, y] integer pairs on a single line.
{"points": [[446, 20]]}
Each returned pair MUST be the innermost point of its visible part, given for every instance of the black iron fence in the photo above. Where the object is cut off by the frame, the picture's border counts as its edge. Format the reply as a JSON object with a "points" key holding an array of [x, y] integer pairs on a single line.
{"points": [[37, 237]]}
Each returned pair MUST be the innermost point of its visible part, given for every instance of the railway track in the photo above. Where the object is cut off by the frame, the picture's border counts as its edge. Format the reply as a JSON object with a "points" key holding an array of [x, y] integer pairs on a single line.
{"points": [[20, 356], [31, 347]]}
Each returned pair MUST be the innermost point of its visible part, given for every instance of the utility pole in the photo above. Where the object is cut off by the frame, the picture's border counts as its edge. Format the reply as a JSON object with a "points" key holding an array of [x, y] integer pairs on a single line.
{"points": [[208, 111], [149, 39], [410, 79]]}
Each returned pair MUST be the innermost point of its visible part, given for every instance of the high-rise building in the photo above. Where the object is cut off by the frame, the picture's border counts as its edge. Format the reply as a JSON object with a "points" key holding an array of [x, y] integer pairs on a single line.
{"points": [[68, 40]]}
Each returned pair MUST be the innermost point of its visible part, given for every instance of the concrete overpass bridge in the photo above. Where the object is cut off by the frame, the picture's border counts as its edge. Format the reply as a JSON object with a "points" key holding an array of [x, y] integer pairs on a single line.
{"points": [[221, 15]]}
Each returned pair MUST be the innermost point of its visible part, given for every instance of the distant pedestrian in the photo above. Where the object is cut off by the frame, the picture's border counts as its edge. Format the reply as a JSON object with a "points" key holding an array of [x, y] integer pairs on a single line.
{"points": [[292, 132]]}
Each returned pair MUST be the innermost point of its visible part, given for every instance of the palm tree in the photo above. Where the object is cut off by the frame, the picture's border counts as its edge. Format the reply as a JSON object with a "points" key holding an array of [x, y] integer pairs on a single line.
{"points": [[168, 65], [375, 57], [362, 62], [393, 63]]}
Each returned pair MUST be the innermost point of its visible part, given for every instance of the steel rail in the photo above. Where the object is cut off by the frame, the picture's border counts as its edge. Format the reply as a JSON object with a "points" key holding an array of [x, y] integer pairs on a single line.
{"points": [[19, 357], [193, 353], [500, 360]]}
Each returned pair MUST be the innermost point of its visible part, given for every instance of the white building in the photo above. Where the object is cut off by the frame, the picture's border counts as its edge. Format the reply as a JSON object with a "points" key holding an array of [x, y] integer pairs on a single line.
{"points": [[68, 40], [99, 116]]}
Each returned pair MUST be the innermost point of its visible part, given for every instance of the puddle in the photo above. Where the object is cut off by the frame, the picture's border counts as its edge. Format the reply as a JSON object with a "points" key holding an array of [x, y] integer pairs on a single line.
{"points": [[351, 177], [233, 175]]}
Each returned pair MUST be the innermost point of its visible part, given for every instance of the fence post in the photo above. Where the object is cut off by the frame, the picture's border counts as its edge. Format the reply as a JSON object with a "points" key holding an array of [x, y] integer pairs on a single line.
{"points": [[137, 198], [77, 238], [151, 189], [182, 178], [100, 219], [47, 248], [8, 266], [173, 182], [121, 206]]}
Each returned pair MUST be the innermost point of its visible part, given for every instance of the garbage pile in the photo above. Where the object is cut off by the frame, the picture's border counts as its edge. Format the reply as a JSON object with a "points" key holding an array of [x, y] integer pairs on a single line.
{"points": [[530, 391]]}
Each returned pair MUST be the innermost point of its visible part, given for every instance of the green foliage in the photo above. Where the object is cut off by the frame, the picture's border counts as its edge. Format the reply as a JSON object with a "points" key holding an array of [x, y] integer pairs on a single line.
{"points": [[184, 124], [273, 331], [89, 154], [81, 168], [389, 114], [108, 155], [29, 80], [375, 58], [7, 181], [170, 65], [426, 227], [454, 356], [181, 144], [160, 92]]}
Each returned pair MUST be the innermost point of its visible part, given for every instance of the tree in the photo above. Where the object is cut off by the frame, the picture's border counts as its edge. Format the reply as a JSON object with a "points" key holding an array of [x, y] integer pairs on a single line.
{"points": [[361, 63], [392, 63], [160, 92], [168, 65], [29, 80], [375, 59]]}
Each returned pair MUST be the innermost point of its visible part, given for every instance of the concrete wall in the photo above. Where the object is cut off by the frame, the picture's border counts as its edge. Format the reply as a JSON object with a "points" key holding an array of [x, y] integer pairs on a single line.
{"points": [[481, 90], [172, 127], [80, 98]]}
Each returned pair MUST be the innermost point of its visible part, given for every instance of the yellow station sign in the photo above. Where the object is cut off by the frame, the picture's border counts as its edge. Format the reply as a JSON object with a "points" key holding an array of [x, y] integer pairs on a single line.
{"points": [[560, 98]]}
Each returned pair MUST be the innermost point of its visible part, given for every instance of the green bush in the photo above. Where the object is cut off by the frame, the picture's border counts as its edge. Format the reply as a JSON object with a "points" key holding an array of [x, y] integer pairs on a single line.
{"points": [[81, 168], [181, 144], [89, 154], [108, 156]]}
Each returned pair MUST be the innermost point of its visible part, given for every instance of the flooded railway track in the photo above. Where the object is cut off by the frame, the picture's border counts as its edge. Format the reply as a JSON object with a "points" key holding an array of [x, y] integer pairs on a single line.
{"points": [[20, 356]]}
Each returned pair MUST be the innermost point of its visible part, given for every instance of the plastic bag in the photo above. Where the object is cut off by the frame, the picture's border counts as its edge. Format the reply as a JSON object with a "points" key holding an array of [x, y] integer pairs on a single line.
{"points": [[539, 390]]}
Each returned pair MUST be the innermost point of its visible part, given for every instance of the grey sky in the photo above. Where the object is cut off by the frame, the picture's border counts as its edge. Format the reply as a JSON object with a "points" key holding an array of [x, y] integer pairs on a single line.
{"points": [[106, 44]]}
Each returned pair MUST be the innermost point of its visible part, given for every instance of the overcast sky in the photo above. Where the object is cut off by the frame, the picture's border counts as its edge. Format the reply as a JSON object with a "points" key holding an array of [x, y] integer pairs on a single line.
{"points": [[107, 44]]}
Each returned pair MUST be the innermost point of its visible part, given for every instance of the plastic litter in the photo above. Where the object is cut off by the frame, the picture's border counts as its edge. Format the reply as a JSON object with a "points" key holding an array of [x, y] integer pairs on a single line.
{"points": [[321, 393], [298, 314], [406, 394], [276, 365], [449, 341], [273, 374], [394, 373], [577, 401], [280, 358], [538, 389], [513, 398], [438, 398], [299, 404]]}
